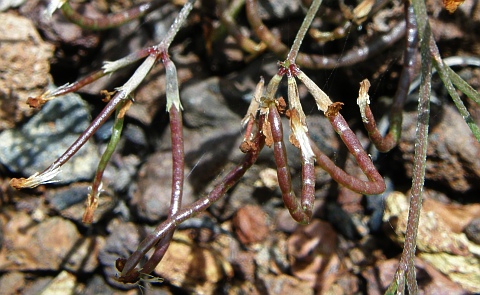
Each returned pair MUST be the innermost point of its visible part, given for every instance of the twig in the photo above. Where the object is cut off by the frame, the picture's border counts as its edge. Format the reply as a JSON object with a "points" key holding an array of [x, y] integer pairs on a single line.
{"points": [[385, 144], [92, 199], [315, 61], [201, 205], [111, 20]]}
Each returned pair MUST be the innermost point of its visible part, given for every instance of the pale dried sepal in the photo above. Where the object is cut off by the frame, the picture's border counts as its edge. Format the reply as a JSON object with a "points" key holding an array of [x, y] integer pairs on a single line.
{"points": [[113, 66], [300, 130], [363, 98], [52, 6], [321, 98], [254, 103], [298, 122], [265, 110], [39, 101], [137, 77], [61, 88], [36, 179], [272, 86], [172, 92], [92, 204], [148, 278], [294, 99]]}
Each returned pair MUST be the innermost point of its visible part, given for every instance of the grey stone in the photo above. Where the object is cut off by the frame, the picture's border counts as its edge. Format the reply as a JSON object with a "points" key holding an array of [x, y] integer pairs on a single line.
{"points": [[473, 230], [453, 154], [46, 136], [122, 241], [6, 4], [204, 104], [151, 196]]}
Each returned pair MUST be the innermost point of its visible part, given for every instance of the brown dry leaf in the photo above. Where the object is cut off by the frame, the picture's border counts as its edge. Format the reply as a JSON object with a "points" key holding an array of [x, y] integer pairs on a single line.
{"points": [[449, 252], [452, 5]]}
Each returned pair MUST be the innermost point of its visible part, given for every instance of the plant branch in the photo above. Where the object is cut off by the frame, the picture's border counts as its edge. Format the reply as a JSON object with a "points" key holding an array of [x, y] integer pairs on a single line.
{"points": [[385, 144], [201, 205], [92, 199], [307, 21], [111, 20], [315, 61]]}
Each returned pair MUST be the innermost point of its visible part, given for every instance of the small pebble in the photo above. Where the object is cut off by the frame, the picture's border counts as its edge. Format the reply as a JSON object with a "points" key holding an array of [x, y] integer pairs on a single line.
{"points": [[473, 231]]}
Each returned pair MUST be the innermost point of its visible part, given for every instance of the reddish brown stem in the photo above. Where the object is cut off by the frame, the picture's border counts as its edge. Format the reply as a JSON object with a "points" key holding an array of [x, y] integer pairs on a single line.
{"points": [[293, 205], [201, 205], [315, 61], [72, 87], [233, 29], [375, 185], [111, 20], [385, 144], [178, 170], [308, 186], [99, 120]]}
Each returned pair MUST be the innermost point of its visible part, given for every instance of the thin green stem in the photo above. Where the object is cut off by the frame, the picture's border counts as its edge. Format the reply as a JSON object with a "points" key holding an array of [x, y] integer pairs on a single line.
{"points": [[117, 128], [444, 73], [307, 21], [407, 265], [463, 86], [177, 24]]}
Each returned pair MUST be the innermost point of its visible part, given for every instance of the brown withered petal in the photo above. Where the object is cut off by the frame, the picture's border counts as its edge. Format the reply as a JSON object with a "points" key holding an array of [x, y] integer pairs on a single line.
{"points": [[333, 109]]}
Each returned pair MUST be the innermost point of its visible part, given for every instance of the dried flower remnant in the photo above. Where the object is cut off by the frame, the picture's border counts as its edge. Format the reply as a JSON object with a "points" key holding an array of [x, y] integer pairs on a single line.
{"points": [[36, 179], [135, 277], [363, 99], [452, 5], [334, 109], [271, 131]]}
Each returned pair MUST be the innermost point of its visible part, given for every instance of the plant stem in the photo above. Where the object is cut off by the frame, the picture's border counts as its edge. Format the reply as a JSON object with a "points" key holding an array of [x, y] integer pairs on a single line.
{"points": [[283, 171], [177, 24], [407, 264], [92, 201], [307, 21], [178, 176], [385, 144], [178, 160], [444, 73], [201, 205], [112, 20], [316, 61]]}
